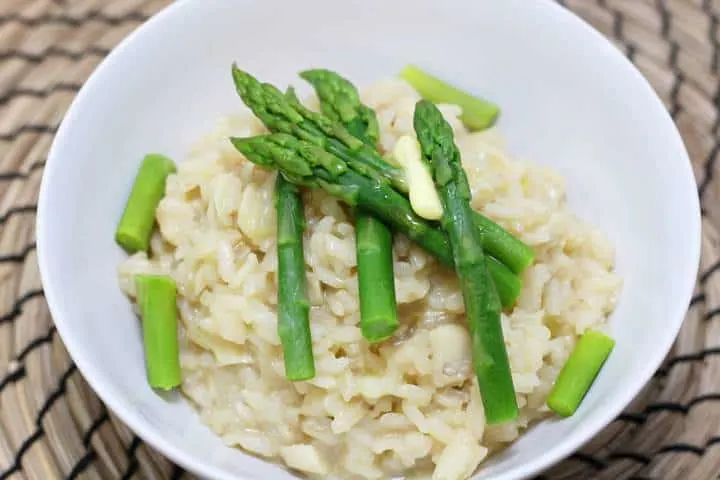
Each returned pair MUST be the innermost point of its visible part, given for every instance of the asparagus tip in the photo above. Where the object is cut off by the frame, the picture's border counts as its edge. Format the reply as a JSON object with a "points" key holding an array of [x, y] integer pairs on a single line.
{"points": [[241, 78], [310, 74]]}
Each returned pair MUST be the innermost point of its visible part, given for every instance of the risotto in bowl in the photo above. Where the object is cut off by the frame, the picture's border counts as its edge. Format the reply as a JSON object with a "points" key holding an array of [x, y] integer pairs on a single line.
{"points": [[322, 273], [412, 402]]}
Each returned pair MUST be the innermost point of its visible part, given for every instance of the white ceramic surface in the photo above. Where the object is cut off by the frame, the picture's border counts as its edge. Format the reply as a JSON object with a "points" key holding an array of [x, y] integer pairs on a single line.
{"points": [[569, 100]]}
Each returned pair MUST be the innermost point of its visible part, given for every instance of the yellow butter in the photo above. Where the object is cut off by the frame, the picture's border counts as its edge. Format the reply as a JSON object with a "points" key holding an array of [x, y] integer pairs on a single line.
{"points": [[424, 198]]}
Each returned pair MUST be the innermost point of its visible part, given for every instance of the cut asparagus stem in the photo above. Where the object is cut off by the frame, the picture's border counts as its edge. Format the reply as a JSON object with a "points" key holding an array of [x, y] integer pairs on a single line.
{"points": [[376, 280], [293, 304], [579, 372], [306, 164], [156, 298], [282, 113], [482, 305], [340, 101], [477, 113], [136, 224]]}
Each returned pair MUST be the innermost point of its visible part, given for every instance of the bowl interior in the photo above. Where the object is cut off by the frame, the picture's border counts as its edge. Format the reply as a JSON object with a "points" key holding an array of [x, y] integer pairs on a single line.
{"points": [[569, 100]]}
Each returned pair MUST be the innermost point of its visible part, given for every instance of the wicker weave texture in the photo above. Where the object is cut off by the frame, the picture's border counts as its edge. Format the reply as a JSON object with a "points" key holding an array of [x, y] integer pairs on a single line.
{"points": [[53, 426]]}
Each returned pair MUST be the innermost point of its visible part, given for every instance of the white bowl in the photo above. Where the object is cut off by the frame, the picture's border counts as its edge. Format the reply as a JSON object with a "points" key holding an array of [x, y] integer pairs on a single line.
{"points": [[569, 100]]}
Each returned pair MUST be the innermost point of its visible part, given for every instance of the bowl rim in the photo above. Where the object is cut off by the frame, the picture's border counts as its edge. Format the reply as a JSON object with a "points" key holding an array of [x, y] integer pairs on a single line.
{"points": [[95, 378]]}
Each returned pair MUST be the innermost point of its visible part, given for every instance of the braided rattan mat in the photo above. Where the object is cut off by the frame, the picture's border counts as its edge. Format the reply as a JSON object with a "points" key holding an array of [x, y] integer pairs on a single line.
{"points": [[52, 425]]}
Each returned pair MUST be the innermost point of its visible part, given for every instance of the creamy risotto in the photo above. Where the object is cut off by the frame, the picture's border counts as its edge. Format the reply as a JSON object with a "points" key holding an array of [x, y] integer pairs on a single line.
{"points": [[408, 406]]}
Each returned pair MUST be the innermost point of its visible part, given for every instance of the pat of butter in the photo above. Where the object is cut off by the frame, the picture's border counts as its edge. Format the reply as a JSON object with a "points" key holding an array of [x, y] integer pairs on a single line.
{"points": [[424, 198]]}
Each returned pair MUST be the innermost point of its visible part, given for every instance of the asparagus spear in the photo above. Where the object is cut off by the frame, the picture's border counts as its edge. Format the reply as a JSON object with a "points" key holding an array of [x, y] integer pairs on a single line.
{"points": [[477, 113], [579, 372], [293, 305], [376, 279], [156, 297], [340, 101], [135, 227], [306, 164], [482, 304], [285, 114]]}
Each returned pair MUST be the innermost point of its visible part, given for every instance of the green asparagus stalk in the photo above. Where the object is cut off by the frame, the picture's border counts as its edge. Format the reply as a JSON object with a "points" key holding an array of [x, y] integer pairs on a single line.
{"points": [[138, 218], [340, 101], [156, 298], [579, 372], [293, 304], [308, 165], [482, 304], [285, 114], [376, 279], [502, 245], [477, 113]]}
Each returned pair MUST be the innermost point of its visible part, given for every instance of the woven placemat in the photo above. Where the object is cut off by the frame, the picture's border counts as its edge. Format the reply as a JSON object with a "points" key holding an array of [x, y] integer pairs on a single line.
{"points": [[53, 426]]}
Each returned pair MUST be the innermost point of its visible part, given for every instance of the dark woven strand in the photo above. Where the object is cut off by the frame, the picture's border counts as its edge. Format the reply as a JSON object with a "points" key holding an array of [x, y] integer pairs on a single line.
{"points": [[628, 458]]}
